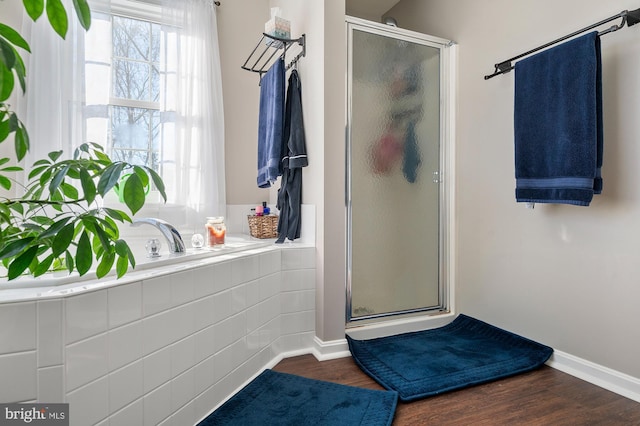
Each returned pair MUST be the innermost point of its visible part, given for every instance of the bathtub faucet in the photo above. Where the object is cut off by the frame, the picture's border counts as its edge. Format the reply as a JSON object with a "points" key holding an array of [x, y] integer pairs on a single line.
{"points": [[176, 245]]}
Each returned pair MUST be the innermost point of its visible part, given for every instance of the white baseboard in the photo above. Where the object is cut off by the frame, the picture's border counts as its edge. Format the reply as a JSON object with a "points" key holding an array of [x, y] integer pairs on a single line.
{"points": [[615, 381], [324, 351]]}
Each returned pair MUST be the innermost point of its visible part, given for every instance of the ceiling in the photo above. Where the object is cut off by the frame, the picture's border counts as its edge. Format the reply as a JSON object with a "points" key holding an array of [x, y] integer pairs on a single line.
{"points": [[369, 8]]}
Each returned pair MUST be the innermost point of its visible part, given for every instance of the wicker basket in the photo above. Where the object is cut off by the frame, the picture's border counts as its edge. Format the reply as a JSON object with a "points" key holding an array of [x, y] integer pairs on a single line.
{"points": [[263, 226]]}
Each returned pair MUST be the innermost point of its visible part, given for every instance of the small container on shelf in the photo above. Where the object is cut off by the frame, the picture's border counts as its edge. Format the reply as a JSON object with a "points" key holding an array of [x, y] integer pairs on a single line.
{"points": [[216, 231]]}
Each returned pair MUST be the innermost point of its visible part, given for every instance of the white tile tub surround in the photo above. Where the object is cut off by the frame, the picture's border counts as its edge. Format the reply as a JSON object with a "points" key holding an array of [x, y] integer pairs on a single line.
{"points": [[164, 348]]}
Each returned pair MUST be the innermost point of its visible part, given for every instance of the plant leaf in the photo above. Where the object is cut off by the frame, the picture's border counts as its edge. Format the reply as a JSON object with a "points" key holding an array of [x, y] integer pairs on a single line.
{"points": [[69, 190], [62, 240], [34, 8], [84, 255], [54, 155], [157, 181], [58, 178], [109, 177], [88, 187], [134, 193], [43, 266], [5, 129], [104, 267], [15, 247], [21, 142], [83, 12], [13, 36], [122, 265], [68, 261], [54, 228], [117, 214], [36, 171], [22, 262], [8, 54], [5, 182], [6, 80], [57, 17]]}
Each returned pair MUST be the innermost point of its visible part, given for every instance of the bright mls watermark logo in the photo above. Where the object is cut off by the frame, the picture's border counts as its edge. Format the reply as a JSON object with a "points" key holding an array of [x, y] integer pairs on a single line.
{"points": [[34, 414]]}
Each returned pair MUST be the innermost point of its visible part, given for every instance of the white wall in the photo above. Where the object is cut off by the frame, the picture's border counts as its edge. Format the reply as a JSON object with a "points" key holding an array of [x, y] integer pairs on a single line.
{"points": [[240, 25], [563, 275]]}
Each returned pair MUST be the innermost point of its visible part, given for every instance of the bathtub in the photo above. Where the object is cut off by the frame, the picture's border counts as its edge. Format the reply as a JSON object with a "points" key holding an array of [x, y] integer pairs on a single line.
{"points": [[233, 244], [166, 343]]}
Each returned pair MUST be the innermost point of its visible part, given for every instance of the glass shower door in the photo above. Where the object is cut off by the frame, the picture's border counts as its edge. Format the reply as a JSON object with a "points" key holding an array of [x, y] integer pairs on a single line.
{"points": [[393, 173]]}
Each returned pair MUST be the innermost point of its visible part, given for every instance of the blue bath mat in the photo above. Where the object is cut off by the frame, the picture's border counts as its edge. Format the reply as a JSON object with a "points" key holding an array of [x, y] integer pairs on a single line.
{"points": [[463, 353], [275, 398]]}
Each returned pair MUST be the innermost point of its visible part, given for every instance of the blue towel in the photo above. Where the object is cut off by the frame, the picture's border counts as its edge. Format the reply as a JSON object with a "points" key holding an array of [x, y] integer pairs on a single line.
{"points": [[271, 124], [412, 160], [558, 124]]}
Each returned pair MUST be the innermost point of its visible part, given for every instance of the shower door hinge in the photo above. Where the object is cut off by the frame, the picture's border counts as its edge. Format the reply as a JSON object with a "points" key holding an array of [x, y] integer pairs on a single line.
{"points": [[436, 177]]}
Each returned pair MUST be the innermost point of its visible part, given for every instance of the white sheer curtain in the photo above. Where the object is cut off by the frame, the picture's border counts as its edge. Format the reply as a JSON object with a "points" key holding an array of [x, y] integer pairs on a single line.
{"points": [[64, 95], [193, 139], [52, 106]]}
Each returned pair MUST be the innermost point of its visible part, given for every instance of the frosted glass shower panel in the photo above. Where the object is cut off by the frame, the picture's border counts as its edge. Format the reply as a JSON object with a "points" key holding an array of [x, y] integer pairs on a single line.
{"points": [[394, 159]]}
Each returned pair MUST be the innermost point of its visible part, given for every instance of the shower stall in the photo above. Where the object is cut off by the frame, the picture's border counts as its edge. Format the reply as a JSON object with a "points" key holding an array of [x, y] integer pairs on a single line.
{"points": [[399, 180]]}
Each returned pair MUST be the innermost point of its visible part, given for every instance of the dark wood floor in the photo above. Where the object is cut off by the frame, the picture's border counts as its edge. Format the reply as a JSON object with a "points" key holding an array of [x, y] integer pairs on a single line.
{"points": [[542, 397]]}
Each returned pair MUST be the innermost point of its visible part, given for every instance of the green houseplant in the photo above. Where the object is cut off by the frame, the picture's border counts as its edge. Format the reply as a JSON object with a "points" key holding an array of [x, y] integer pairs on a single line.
{"points": [[59, 223]]}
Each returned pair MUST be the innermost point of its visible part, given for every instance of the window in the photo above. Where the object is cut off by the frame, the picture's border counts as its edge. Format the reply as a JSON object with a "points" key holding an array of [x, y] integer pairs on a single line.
{"points": [[145, 83], [123, 88]]}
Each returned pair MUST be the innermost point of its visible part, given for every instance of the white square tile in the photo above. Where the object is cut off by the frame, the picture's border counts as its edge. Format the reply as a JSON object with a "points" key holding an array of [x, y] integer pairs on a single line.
{"points": [[156, 295], [252, 291], [183, 355], [125, 304], [245, 269], [182, 287], [204, 312], [206, 402], [222, 276], [157, 369], [203, 374], [49, 332], [183, 320], [253, 318], [125, 386], [157, 332], [291, 279], [307, 257], [19, 370], [270, 262], [308, 279], [157, 405], [90, 404], [271, 286], [18, 329], [50, 384], [86, 361], [222, 305], [238, 298], [130, 415], [182, 390], [185, 415], [86, 315], [204, 343], [203, 281], [125, 345], [291, 259]]}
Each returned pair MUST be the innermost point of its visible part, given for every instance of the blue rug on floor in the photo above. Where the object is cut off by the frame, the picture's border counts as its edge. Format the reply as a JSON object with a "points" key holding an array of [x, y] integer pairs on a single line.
{"points": [[463, 353], [275, 398]]}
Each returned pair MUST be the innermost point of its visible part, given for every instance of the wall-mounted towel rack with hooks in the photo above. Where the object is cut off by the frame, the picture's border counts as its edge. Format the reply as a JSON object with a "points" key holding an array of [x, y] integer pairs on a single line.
{"points": [[628, 17], [273, 47]]}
